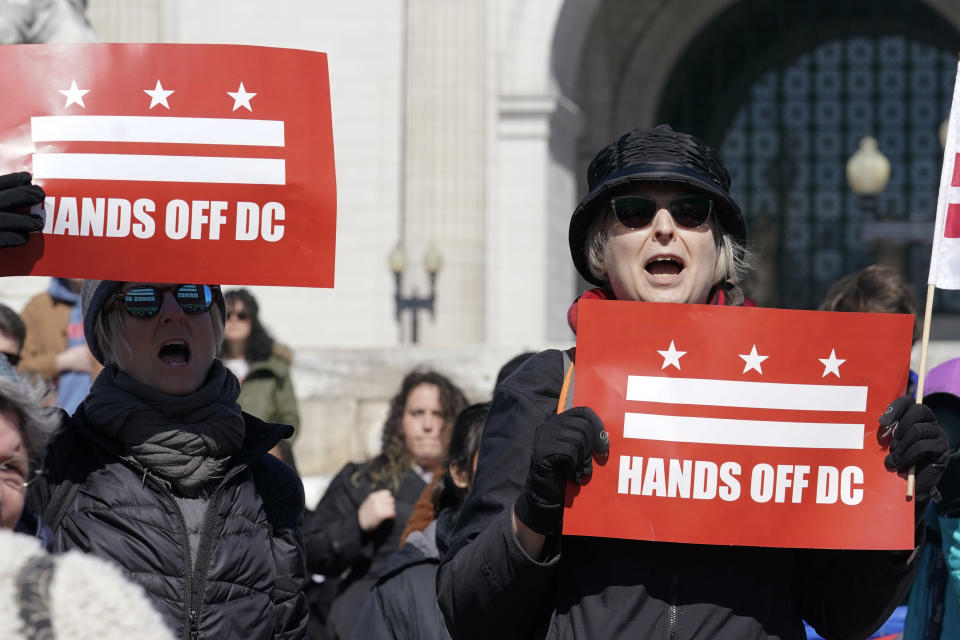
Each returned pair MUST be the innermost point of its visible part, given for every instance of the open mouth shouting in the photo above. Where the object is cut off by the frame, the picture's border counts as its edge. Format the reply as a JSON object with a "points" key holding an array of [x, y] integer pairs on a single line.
{"points": [[665, 268], [175, 353]]}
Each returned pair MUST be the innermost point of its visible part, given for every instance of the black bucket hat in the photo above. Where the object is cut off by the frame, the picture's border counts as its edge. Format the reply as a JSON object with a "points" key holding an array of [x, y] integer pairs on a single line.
{"points": [[659, 154]]}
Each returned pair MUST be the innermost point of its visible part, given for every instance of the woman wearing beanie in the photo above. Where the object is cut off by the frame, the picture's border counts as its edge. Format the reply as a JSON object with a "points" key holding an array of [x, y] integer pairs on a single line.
{"points": [[161, 473], [658, 225]]}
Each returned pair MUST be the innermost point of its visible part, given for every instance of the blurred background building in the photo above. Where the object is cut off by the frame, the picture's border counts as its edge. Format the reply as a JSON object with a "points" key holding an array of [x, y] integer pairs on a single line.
{"points": [[462, 133]]}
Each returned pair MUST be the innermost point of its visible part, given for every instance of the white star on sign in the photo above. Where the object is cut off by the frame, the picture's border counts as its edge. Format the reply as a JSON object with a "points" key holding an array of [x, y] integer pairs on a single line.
{"points": [[753, 360], [241, 98], [158, 95], [671, 357], [74, 95], [831, 364]]}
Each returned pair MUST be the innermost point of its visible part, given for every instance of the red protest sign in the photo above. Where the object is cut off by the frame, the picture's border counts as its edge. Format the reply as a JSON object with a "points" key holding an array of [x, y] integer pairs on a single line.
{"points": [[741, 426], [172, 162]]}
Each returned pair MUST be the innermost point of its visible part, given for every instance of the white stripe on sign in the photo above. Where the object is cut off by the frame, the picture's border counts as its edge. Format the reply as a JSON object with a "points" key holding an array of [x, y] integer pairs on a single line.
{"points": [[236, 131], [102, 166], [752, 395], [751, 433]]}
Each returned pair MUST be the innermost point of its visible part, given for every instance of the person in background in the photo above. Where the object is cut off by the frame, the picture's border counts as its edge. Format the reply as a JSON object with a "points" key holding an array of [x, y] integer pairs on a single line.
{"points": [[933, 607], [402, 604], [261, 365], [359, 520], [876, 289], [55, 347], [423, 508], [68, 597], [12, 334]]}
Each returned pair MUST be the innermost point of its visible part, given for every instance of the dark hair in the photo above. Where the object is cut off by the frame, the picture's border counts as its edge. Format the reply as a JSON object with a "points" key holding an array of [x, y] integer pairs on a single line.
{"points": [[11, 324], [874, 289], [394, 460], [464, 445], [260, 343]]}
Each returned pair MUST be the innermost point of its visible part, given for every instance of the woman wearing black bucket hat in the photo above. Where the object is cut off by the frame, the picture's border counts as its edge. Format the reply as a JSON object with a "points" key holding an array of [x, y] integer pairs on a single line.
{"points": [[657, 225]]}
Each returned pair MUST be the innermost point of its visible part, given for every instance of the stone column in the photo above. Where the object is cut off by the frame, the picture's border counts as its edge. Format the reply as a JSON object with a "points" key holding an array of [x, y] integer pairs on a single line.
{"points": [[445, 156]]}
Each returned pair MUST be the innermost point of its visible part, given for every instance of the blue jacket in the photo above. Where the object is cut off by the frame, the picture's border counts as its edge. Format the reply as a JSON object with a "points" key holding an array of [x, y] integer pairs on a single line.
{"points": [[937, 581]]}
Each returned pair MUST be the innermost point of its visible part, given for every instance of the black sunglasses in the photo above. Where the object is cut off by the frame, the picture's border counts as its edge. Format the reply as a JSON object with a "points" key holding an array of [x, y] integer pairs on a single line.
{"points": [[636, 212], [145, 301], [239, 315]]}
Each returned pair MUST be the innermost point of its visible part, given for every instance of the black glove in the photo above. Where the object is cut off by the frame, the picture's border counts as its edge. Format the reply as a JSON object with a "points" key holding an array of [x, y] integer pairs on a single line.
{"points": [[16, 196], [563, 448], [916, 439]]}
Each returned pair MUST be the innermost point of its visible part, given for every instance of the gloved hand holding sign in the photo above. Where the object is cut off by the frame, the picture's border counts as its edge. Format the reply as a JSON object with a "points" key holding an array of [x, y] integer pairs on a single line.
{"points": [[17, 195], [916, 440], [563, 449]]}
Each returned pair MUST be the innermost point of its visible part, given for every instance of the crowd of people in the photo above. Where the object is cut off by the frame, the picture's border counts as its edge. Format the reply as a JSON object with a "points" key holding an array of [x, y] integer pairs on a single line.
{"points": [[145, 436]]}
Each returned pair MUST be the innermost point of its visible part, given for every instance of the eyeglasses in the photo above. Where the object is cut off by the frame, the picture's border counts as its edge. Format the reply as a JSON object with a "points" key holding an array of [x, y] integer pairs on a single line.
{"points": [[145, 301], [239, 315], [12, 358], [14, 477], [636, 212]]}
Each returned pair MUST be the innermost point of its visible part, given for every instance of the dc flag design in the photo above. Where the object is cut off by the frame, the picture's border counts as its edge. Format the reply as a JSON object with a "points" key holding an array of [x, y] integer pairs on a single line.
{"points": [[174, 163], [741, 426], [945, 257]]}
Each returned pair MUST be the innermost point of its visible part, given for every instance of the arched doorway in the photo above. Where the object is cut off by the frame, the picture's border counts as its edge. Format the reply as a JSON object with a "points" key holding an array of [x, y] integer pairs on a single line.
{"points": [[786, 91]]}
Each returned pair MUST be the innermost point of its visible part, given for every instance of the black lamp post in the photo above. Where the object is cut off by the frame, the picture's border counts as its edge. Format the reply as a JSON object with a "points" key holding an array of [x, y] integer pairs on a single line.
{"points": [[432, 263]]}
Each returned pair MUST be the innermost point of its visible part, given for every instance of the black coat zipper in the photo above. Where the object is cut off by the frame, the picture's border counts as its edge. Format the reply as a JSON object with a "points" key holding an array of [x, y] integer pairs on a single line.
{"points": [[192, 579], [673, 612], [203, 550]]}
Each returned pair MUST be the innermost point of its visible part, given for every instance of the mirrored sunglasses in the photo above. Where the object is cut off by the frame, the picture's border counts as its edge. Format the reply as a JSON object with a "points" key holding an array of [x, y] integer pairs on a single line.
{"points": [[636, 212], [145, 301]]}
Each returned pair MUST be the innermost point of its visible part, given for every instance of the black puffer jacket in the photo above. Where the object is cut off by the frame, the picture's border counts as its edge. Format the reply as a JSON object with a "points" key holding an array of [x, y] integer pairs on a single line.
{"points": [[337, 546], [602, 588], [246, 579]]}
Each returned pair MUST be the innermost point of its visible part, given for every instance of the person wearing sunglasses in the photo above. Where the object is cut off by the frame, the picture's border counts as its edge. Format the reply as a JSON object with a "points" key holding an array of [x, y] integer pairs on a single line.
{"points": [[262, 365], [658, 224], [161, 473]]}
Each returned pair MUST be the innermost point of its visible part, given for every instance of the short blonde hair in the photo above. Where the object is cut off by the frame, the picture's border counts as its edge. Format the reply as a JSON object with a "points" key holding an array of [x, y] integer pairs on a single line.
{"points": [[110, 331], [734, 260]]}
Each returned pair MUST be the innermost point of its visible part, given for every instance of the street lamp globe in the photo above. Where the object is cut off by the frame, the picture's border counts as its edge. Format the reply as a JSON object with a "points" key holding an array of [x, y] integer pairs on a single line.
{"points": [[397, 260], [868, 170], [433, 259]]}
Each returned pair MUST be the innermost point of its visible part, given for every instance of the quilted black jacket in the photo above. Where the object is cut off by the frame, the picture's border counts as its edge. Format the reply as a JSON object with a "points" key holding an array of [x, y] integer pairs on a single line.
{"points": [[249, 572]]}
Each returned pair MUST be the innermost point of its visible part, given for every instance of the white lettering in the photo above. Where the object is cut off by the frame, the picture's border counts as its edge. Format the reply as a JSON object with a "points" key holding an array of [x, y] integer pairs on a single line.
{"points": [[178, 219], [144, 227]]}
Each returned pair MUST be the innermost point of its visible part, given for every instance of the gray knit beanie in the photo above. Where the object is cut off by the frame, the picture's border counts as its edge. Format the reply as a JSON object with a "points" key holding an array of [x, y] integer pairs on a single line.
{"points": [[95, 293]]}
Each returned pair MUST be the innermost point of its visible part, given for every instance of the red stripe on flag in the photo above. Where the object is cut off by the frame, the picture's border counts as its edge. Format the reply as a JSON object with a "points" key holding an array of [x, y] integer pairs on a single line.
{"points": [[951, 229], [956, 171]]}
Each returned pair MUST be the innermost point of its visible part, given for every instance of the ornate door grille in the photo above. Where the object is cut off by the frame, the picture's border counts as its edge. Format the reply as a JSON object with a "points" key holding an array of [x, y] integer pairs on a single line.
{"points": [[786, 121]]}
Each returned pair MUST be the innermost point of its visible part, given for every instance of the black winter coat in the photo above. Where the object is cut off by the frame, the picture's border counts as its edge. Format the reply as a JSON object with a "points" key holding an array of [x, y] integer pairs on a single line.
{"points": [[248, 577], [402, 605], [603, 588], [336, 546]]}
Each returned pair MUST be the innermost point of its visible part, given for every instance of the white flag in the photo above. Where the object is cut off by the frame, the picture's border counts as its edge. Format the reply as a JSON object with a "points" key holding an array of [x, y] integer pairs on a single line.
{"points": [[945, 259]]}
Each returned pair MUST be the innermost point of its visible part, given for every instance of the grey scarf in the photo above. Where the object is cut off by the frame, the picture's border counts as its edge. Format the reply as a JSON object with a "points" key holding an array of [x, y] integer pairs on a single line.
{"points": [[186, 440]]}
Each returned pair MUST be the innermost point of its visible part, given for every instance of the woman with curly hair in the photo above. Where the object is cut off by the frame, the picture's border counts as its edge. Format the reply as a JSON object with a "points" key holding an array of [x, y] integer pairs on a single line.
{"points": [[358, 522], [261, 365]]}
